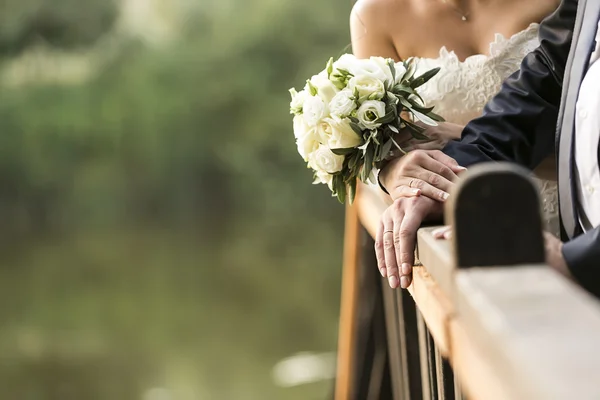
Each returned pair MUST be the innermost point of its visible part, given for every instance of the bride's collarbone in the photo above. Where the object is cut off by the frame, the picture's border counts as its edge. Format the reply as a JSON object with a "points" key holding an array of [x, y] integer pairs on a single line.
{"points": [[434, 27]]}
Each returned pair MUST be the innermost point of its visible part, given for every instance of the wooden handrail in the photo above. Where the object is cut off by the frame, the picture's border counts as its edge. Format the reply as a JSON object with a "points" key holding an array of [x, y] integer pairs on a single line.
{"points": [[514, 329]]}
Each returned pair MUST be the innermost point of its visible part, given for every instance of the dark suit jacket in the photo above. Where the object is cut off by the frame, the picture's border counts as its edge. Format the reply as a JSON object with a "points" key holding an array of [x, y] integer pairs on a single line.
{"points": [[520, 123]]}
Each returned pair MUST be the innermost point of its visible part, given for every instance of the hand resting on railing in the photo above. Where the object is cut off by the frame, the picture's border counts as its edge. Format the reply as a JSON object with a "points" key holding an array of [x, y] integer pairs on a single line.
{"points": [[396, 235]]}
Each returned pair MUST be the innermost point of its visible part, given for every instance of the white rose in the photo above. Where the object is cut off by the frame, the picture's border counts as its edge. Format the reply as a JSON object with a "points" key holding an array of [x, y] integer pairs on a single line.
{"points": [[306, 137], [369, 112], [325, 88], [313, 110], [324, 177], [323, 160], [367, 87], [348, 63], [342, 104], [297, 102], [375, 67], [378, 68], [342, 135]]}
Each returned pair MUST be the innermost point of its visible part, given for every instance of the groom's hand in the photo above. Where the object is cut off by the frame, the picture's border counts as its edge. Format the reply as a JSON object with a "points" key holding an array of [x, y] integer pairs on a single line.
{"points": [[554, 256], [431, 172], [397, 235]]}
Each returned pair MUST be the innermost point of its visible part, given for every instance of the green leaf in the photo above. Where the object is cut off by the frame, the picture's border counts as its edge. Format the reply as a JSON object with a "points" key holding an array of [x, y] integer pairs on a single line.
{"points": [[406, 103], [352, 192], [356, 128], [368, 165], [385, 149], [435, 117], [411, 68], [423, 118], [387, 118], [397, 145], [340, 188], [416, 130], [392, 67], [424, 77], [344, 151], [403, 90]]}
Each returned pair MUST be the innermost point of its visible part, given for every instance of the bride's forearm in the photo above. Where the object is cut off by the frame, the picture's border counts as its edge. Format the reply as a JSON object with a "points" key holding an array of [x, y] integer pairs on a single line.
{"points": [[451, 131]]}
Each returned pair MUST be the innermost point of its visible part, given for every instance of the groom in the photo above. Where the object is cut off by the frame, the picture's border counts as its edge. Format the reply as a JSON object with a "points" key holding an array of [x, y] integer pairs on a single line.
{"points": [[557, 90]]}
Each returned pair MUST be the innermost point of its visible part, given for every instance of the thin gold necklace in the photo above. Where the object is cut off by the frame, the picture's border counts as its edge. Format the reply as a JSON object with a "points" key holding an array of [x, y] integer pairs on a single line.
{"points": [[463, 15]]}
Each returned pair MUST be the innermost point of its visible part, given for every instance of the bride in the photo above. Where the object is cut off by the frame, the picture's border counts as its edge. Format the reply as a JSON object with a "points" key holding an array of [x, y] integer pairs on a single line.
{"points": [[477, 44]]}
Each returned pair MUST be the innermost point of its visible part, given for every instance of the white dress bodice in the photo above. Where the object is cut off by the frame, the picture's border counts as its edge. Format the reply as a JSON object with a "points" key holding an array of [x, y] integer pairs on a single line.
{"points": [[461, 89]]}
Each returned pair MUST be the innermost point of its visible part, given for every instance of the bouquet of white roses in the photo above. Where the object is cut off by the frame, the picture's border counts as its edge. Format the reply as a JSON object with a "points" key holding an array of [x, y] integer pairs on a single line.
{"points": [[346, 117]]}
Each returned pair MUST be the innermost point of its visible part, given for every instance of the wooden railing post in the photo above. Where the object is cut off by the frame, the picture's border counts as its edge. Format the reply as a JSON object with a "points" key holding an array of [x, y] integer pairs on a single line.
{"points": [[522, 331], [495, 217]]}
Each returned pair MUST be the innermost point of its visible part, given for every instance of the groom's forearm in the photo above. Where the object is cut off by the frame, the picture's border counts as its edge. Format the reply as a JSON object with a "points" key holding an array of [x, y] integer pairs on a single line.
{"points": [[582, 255], [519, 123]]}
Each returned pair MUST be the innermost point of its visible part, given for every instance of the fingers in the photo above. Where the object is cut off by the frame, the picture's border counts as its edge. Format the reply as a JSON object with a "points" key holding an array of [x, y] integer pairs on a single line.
{"points": [[389, 247], [404, 191], [407, 238], [403, 185], [447, 161], [438, 174], [379, 251], [445, 232]]}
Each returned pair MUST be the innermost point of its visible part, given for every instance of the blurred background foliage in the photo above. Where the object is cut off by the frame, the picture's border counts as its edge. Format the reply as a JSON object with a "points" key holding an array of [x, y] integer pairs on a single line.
{"points": [[160, 236]]}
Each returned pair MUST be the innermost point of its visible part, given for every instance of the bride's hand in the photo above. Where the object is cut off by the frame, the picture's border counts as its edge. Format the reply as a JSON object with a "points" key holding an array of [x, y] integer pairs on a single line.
{"points": [[427, 172]]}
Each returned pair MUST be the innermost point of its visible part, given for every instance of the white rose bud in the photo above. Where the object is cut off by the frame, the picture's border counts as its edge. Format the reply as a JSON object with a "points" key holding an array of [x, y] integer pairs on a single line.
{"points": [[325, 88], [324, 160], [342, 104], [342, 135], [369, 112], [297, 102], [313, 110], [368, 88]]}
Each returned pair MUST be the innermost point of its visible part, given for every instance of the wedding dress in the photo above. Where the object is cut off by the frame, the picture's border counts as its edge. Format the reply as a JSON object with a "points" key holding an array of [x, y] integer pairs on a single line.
{"points": [[462, 88]]}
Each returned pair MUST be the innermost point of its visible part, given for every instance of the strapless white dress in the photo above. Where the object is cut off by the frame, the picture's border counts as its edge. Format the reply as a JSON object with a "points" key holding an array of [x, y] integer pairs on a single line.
{"points": [[462, 88]]}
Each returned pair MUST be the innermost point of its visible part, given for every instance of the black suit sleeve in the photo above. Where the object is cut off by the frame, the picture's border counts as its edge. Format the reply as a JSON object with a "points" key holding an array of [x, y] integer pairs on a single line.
{"points": [[519, 123], [582, 255]]}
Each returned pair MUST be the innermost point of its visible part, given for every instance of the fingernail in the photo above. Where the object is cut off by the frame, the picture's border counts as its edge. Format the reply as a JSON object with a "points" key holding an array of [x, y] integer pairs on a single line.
{"points": [[461, 168], [393, 282], [382, 271], [406, 269], [416, 192], [447, 235], [404, 283], [444, 196]]}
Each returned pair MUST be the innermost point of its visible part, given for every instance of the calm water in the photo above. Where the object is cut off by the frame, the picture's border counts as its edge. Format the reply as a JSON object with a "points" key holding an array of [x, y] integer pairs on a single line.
{"points": [[151, 314]]}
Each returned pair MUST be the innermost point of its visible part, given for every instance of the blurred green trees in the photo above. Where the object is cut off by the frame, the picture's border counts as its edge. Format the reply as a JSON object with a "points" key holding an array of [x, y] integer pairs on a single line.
{"points": [[172, 168], [195, 131]]}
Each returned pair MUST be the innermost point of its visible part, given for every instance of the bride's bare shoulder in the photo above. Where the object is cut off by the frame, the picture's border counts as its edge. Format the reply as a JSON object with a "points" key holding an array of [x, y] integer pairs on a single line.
{"points": [[382, 12], [375, 24]]}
